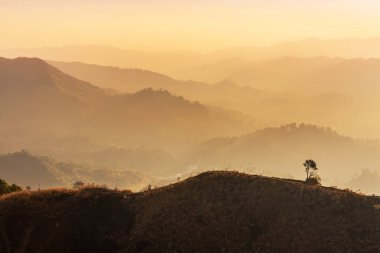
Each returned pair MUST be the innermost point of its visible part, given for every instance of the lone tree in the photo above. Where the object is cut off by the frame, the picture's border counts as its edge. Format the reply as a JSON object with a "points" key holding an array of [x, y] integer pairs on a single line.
{"points": [[311, 172]]}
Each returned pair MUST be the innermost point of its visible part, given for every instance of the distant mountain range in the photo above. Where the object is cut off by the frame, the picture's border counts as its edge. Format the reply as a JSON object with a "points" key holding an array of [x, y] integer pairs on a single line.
{"points": [[48, 111], [173, 62], [291, 90], [36, 95]]}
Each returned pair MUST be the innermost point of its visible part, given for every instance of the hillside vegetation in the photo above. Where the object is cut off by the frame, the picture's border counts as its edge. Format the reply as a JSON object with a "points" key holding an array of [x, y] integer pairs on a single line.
{"points": [[212, 212]]}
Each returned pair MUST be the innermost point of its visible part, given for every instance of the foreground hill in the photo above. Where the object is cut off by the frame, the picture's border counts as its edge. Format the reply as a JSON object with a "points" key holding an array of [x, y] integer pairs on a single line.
{"points": [[212, 212]]}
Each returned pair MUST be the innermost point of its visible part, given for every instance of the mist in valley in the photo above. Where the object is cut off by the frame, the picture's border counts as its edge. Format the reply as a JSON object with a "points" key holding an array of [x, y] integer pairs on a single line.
{"points": [[150, 116]]}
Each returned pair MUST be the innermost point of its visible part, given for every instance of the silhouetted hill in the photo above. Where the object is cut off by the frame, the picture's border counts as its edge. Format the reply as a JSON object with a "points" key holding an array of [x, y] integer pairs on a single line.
{"points": [[212, 212], [26, 169], [281, 151]]}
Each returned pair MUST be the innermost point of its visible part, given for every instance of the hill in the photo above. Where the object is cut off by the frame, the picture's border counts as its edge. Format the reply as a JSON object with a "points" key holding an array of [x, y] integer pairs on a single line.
{"points": [[230, 212], [26, 169], [320, 90], [123, 79], [58, 105], [132, 80], [46, 92], [281, 150]]}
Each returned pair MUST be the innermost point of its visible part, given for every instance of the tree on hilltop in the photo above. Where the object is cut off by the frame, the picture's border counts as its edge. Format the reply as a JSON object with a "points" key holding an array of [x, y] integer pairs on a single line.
{"points": [[311, 169]]}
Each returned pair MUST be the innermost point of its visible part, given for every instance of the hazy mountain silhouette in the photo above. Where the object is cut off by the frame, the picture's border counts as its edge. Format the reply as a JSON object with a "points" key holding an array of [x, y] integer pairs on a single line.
{"points": [[176, 61], [132, 80], [279, 73], [39, 171], [312, 47], [31, 90], [356, 77], [280, 151], [124, 80], [164, 62], [36, 95]]}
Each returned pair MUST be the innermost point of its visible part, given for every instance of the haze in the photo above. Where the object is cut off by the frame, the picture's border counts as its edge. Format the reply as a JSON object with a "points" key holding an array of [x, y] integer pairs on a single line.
{"points": [[203, 26], [143, 92]]}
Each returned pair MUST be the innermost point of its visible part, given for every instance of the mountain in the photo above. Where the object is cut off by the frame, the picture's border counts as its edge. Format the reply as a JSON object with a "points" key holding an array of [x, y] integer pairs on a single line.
{"points": [[174, 63], [32, 90], [230, 212], [354, 77], [123, 79], [164, 62], [43, 172], [132, 80], [279, 73], [222, 95], [56, 106], [280, 151], [24, 74], [318, 90], [310, 47], [151, 118]]}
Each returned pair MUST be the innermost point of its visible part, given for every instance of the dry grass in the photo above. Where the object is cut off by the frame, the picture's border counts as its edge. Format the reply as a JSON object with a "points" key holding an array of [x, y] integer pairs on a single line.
{"points": [[212, 212]]}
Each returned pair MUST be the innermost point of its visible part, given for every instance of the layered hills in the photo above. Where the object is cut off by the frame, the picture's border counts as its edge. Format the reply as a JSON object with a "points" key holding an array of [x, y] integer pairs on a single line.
{"points": [[36, 95]]}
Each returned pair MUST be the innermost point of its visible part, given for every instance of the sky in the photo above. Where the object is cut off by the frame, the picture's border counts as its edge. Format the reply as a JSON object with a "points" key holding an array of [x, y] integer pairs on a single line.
{"points": [[197, 25]]}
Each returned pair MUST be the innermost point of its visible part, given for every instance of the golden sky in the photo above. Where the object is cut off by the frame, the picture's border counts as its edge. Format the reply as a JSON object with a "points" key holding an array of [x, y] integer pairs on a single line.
{"points": [[200, 25]]}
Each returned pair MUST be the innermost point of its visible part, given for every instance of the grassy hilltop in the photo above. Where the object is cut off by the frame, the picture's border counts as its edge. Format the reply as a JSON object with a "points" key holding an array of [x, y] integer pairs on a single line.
{"points": [[211, 212]]}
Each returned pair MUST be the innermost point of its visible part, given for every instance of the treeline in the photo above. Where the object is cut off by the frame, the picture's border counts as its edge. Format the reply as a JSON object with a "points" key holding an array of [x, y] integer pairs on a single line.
{"points": [[8, 188]]}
